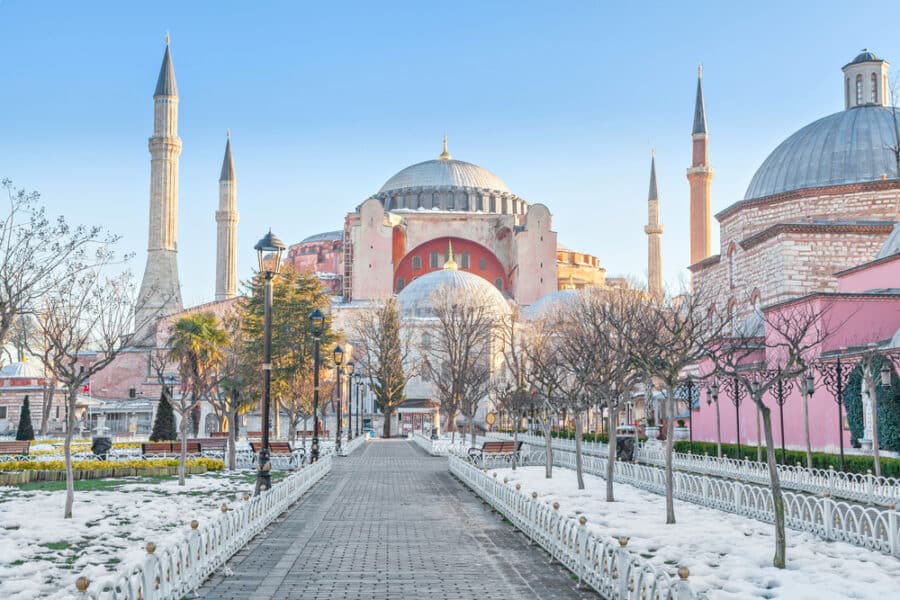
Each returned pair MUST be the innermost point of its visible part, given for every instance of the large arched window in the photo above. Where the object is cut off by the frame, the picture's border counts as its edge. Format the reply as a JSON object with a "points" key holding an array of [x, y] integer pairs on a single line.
{"points": [[859, 90], [874, 88], [847, 92], [417, 263]]}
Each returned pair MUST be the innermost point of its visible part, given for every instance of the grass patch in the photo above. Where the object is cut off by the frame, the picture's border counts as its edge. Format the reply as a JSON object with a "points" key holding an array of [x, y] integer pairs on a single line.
{"points": [[92, 485], [57, 545]]}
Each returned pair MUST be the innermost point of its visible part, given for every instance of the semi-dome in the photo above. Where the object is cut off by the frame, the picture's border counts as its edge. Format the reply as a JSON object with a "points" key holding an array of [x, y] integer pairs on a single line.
{"points": [[444, 173], [419, 297], [550, 304], [27, 370], [852, 146]]}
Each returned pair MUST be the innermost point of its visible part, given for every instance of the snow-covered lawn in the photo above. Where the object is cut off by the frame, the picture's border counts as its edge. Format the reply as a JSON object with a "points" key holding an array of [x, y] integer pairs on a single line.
{"points": [[729, 557], [41, 554]]}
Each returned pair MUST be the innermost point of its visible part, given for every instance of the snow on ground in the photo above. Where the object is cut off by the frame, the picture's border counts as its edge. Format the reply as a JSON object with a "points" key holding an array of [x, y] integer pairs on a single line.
{"points": [[729, 556], [41, 554]]}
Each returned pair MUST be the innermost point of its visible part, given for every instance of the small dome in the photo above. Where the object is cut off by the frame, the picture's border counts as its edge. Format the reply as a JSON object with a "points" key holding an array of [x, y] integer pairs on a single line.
{"points": [[418, 298], [864, 56], [852, 146], [27, 370], [551, 303], [328, 236], [891, 245], [444, 172]]}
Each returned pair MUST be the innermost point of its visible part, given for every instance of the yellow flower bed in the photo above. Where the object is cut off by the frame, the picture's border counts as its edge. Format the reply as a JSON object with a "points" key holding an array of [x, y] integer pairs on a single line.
{"points": [[211, 464]]}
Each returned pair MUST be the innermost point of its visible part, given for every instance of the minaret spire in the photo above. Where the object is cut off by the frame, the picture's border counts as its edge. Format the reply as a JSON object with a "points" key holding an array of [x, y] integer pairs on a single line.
{"points": [[160, 292], [700, 176], [226, 227], [654, 230]]}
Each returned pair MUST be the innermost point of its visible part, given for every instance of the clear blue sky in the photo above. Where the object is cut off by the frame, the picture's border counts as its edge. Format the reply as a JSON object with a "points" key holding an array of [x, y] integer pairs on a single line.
{"points": [[327, 100]]}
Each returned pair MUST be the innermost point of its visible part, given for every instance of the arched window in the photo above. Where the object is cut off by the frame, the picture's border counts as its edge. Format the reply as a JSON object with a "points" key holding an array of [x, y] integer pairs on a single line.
{"points": [[874, 88], [401, 283], [859, 91], [434, 259], [426, 341], [417, 263], [464, 260], [482, 263], [734, 317], [499, 283], [847, 93]]}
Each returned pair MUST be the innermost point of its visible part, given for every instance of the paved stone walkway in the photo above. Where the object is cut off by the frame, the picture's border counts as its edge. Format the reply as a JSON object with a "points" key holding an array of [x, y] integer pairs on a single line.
{"points": [[391, 522]]}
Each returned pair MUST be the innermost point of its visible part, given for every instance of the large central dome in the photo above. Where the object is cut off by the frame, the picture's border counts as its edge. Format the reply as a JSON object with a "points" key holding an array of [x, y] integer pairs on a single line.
{"points": [[444, 172], [420, 298], [852, 146]]}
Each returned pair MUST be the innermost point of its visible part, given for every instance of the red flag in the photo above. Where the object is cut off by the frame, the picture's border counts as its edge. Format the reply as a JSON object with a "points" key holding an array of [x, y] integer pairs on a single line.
{"points": [[87, 388]]}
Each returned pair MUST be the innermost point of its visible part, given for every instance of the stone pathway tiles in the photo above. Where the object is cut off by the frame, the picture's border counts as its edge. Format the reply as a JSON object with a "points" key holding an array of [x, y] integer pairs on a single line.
{"points": [[391, 522]]}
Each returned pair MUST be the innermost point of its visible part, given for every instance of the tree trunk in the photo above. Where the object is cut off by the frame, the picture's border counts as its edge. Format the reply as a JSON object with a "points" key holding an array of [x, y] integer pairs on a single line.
{"points": [[386, 430], [67, 450], [515, 457], [232, 437], [809, 463], [292, 428], [873, 398], [49, 392], [670, 445], [548, 448], [472, 428], [578, 458], [758, 438], [718, 431], [777, 497], [182, 459], [611, 460]]}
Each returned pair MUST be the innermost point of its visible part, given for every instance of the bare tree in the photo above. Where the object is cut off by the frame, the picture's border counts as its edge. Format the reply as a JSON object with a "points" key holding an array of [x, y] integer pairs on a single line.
{"points": [[511, 391], [38, 255], [672, 335], [544, 376], [462, 352], [793, 331], [385, 356], [85, 311]]}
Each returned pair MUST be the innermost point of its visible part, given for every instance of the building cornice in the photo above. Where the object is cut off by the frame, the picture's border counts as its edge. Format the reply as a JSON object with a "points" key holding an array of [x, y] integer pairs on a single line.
{"points": [[858, 227], [709, 261], [849, 188]]}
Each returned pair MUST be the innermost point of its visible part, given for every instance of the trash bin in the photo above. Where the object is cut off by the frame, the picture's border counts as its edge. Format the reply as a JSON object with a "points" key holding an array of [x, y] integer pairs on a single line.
{"points": [[625, 448], [100, 446]]}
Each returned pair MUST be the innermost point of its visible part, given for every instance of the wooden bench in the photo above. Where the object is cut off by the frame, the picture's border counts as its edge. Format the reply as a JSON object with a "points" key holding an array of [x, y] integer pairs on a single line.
{"points": [[280, 449], [495, 449], [15, 450], [213, 445], [168, 449], [219, 434]]}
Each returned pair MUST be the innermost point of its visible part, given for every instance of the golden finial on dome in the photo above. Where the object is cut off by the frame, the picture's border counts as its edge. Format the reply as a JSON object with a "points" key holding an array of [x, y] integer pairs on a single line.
{"points": [[450, 264], [445, 155]]}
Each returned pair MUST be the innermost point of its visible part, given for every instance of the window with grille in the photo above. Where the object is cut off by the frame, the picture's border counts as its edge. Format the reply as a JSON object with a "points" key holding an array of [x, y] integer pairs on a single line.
{"points": [[874, 88], [417, 263], [859, 90], [401, 283], [464, 259], [434, 259], [482, 263]]}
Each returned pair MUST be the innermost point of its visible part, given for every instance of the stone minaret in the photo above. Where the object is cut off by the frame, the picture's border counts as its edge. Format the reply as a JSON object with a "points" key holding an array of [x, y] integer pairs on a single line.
{"points": [[700, 176], [654, 230], [226, 229], [160, 289]]}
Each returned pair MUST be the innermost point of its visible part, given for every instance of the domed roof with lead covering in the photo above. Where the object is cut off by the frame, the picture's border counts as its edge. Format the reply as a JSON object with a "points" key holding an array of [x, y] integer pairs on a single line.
{"points": [[28, 370], [418, 299], [852, 146], [444, 172]]}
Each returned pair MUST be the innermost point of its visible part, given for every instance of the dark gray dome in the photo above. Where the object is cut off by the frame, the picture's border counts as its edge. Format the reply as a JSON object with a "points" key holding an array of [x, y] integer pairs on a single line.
{"points": [[852, 146], [864, 56]]}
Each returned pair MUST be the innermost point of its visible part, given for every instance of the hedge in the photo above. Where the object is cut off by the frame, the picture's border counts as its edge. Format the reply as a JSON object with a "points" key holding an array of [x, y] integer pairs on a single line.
{"points": [[211, 464], [853, 463]]}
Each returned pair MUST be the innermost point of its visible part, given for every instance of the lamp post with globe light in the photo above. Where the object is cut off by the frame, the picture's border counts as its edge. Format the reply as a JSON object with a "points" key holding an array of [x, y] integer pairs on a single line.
{"points": [[350, 366], [269, 267], [339, 367]]}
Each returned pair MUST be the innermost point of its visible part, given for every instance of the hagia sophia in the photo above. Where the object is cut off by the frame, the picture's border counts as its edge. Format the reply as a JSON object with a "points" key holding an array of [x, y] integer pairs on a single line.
{"points": [[819, 218]]}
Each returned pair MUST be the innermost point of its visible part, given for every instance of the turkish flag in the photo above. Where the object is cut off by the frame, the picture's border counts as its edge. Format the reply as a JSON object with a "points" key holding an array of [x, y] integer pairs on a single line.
{"points": [[87, 388]]}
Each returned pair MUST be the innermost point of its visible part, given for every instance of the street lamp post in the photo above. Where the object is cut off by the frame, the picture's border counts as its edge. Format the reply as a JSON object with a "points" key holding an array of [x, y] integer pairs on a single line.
{"points": [[690, 406], [350, 366], [835, 375], [339, 365], [317, 320], [358, 376], [269, 268], [712, 395]]}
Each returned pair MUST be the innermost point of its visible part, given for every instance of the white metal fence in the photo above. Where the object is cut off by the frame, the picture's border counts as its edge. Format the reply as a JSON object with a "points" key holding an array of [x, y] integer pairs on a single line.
{"points": [[602, 563], [178, 569], [869, 527], [348, 446], [867, 488]]}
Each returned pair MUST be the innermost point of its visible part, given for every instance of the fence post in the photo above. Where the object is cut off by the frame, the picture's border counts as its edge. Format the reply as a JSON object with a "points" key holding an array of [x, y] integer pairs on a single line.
{"points": [[682, 589], [81, 584], [893, 534], [870, 487], [828, 513], [738, 491], [704, 485], [151, 583], [621, 570]]}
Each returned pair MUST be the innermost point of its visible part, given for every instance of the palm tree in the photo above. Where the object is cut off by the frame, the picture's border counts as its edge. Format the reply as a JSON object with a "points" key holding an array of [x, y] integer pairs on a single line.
{"points": [[197, 345]]}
